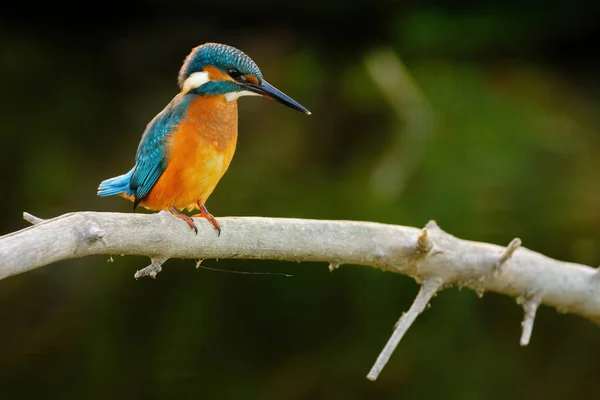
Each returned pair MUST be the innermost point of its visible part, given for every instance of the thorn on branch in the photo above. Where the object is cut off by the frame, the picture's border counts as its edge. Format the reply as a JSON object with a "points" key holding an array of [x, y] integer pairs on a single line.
{"points": [[198, 264], [508, 252], [333, 267], [530, 305], [429, 288], [32, 219], [423, 242], [431, 225], [151, 270]]}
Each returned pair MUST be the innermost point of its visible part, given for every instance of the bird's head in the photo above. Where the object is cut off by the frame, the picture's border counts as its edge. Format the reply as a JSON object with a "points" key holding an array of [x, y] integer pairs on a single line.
{"points": [[216, 69]]}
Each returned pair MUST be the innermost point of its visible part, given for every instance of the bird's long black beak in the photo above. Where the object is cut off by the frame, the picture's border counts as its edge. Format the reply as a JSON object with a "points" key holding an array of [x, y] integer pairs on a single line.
{"points": [[266, 89]]}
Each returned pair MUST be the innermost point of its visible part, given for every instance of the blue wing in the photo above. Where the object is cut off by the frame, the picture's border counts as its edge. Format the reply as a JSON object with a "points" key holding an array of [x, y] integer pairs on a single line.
{"points": [[150, 160]]}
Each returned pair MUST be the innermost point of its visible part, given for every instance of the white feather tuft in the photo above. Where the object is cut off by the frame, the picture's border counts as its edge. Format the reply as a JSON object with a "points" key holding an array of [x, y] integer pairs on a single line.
{"points": [[195, 80]]}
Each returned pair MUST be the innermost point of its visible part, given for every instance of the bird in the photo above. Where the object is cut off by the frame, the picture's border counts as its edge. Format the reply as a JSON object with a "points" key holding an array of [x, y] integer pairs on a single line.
{"points": [[188, 146]]}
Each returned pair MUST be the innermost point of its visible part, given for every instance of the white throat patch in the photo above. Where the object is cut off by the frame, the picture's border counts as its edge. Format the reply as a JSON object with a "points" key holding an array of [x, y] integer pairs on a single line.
{"points": [[195, 80], [231, 96]]}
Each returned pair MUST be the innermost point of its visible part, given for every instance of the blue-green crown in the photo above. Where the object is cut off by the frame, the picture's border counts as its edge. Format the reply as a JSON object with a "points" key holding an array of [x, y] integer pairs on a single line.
{"points": [[219, 55]]}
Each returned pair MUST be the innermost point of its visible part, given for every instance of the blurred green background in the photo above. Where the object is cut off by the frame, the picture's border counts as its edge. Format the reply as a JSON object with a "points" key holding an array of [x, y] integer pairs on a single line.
{"points": [[480, 115]]}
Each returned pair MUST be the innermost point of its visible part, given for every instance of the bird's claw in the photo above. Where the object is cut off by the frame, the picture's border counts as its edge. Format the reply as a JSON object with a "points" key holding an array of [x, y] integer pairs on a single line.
{"points": [[184, 217], [205, 214]]}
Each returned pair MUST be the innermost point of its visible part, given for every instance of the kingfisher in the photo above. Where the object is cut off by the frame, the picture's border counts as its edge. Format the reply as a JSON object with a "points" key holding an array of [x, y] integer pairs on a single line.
{"points": [[187, 147]]}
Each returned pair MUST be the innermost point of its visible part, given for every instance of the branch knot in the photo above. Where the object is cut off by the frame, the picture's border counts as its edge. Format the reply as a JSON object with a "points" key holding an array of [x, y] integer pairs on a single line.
{"points": [[153, 269], [424, 244]]}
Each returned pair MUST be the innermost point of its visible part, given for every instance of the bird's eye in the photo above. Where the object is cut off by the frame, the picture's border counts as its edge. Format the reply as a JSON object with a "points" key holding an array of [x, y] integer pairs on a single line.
{"points": [[234, 73], [237, 75]]}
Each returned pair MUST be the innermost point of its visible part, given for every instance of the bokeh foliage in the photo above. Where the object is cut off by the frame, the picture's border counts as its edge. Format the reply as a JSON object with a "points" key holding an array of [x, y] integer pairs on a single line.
{"points": [[500, 141]]}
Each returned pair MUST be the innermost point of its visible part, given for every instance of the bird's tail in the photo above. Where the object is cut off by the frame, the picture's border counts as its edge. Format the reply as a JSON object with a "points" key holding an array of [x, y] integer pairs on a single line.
{"points": [[117, 185]]}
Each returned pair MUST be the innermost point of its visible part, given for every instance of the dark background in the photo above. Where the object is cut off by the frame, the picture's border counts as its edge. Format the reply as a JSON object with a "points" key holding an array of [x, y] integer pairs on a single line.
{"points": [[480, 115]]}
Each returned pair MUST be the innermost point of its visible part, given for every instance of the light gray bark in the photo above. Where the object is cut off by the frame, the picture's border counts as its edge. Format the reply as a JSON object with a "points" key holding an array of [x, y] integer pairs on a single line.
{"points": [[427, 255]]}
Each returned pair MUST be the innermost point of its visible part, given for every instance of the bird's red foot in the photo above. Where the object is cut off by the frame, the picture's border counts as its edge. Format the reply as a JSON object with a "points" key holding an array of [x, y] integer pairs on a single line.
{"points": [[205, 214], [184, 217]]}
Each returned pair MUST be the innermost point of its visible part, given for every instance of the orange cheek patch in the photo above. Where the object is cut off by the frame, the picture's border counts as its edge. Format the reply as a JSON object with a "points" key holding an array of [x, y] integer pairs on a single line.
{"points": [[251, 79], [215, 74]]}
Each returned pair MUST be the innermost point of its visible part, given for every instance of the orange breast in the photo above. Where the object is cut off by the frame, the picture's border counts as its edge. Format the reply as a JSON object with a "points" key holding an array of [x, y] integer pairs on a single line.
{"points": [[198, 155]]}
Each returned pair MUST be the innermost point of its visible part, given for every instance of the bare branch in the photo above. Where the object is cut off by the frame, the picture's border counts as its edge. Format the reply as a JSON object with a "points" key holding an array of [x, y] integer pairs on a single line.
{"points": [[153, 269], [569, 287], [507, 254], [32, 219], [428, 289], [530, 305]]}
